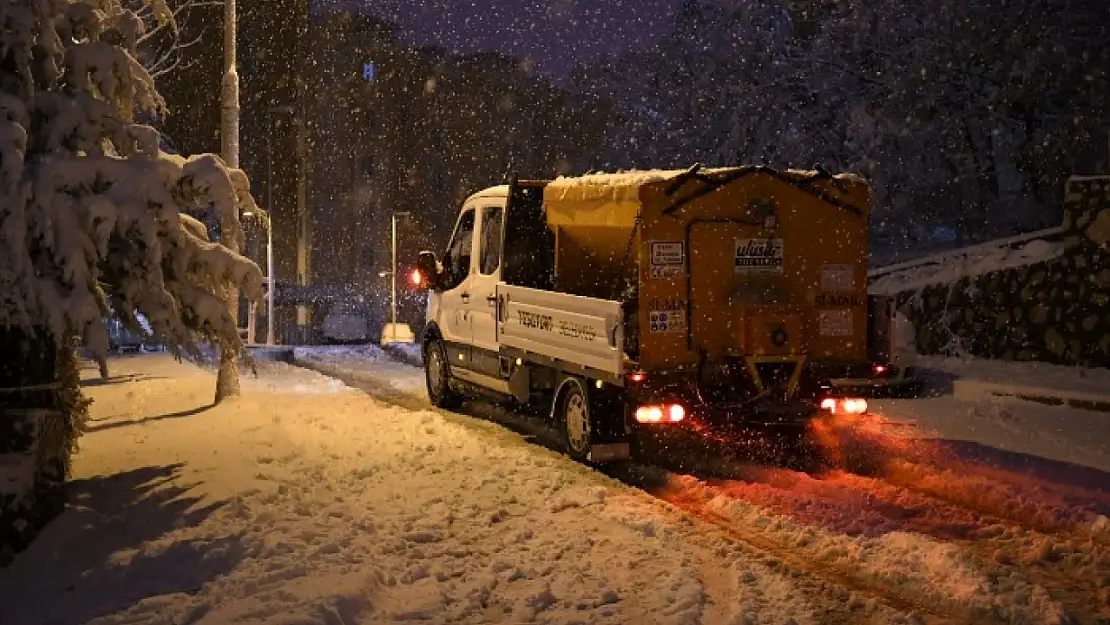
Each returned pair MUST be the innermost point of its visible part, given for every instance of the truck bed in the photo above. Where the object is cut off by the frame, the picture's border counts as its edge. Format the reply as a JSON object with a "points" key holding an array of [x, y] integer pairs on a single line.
{"points": [[572, 329]]}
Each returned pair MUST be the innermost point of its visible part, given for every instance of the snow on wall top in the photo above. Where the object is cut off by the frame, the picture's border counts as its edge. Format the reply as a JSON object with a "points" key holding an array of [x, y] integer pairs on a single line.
{"points": [[950, 268], [1105, 177]]}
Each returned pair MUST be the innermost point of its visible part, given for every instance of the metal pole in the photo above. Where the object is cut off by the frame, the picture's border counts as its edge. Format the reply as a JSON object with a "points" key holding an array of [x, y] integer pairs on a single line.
{"points": [[229, 133], [393, 296], [271, 283], [270, 231]]}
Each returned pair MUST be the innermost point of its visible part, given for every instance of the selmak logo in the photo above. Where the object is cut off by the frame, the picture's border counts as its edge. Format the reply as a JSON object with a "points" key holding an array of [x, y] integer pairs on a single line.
{"points": [[759, 253]]}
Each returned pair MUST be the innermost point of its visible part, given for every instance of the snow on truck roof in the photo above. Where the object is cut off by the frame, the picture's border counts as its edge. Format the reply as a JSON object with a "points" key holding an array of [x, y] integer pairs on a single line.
{"points": [[613, 184], [613, 199]]}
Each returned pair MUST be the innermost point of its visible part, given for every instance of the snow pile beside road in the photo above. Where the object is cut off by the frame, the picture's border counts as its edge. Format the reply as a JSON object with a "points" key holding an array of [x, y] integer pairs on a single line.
{"points": [[363, 363]]}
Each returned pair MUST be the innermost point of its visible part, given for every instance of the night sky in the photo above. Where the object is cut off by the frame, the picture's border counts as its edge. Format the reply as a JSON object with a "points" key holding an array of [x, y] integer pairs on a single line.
{"points": [[553, 34]]}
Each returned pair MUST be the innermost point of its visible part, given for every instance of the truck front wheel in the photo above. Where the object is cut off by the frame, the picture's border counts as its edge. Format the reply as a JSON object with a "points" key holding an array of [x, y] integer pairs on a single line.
{"points": [[437, 373], [576, 421]]}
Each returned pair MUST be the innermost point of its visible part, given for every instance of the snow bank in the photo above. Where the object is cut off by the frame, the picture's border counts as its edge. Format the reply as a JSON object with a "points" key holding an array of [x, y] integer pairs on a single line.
{"points": [[1028, 374], [365, 362]]}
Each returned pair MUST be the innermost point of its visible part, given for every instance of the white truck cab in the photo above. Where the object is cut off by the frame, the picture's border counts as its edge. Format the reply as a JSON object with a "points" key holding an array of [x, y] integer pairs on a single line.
{"points": [[494, 325], [464, 308]]}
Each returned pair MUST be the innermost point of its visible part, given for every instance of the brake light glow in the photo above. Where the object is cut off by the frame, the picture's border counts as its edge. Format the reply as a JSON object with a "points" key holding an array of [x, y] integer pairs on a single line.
{"points": [[671, 413], [879, 369], [852, 405], [637, 377], [676, 413]]}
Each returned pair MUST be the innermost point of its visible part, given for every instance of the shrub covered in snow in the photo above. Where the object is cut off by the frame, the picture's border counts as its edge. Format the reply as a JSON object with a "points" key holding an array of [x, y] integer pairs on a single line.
{"points": [[93, 213]]}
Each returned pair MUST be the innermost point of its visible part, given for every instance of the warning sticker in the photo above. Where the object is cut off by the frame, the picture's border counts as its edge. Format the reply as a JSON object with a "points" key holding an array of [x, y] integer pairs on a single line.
{"points": [[759, 256], [834, 322], [668, 321], [836, 278], [668, 259]]}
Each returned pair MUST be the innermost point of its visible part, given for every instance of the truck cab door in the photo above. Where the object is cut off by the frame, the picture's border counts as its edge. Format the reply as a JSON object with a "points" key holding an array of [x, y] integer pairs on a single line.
{"points": [[483, 287], [453, 316]]}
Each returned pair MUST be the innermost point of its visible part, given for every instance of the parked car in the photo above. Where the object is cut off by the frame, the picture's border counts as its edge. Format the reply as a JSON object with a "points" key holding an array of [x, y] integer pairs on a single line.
{"points": [[348, 321], [121, 340]]}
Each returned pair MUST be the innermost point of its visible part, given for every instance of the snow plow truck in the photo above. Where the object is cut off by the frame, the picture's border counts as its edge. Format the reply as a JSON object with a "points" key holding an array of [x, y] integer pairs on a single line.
{"points": [[635, 302]]}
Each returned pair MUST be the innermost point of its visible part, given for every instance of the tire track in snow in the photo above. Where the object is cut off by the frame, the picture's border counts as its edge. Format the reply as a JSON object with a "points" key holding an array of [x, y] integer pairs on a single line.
{"points": [[1067, 567], [854, 581], [1072, 566]]}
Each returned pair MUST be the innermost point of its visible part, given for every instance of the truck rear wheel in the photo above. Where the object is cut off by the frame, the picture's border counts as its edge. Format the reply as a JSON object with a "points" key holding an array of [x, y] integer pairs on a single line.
{"points": [[437, 373], [576, 421]]}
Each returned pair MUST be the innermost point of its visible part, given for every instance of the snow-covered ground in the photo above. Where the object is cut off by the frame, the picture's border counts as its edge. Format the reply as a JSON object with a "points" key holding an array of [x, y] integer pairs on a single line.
{"points": [[309, 502]]}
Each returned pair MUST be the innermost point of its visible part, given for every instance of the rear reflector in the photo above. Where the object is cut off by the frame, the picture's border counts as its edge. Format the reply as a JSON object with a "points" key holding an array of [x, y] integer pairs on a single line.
{"points": [[850, 405], [672, 413]]}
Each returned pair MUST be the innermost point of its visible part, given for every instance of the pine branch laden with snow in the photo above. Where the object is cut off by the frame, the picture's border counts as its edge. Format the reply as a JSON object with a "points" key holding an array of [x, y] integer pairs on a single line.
{"points": [[94, 216]]}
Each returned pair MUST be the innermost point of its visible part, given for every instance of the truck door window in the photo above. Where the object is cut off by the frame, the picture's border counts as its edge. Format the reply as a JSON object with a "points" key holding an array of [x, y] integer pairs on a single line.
{"points": [[456, 263], [491, 239]]}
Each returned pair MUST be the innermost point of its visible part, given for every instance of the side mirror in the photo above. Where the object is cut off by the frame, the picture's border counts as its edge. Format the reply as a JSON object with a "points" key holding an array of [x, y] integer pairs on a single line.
{"points": [[429, 270]]}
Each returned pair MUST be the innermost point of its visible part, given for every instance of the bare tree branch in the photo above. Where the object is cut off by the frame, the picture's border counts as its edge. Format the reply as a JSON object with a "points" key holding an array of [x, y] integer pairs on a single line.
{"points": [[162, 46]]}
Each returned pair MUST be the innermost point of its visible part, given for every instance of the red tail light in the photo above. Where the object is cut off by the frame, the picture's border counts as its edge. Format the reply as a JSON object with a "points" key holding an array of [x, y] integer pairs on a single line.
{"points": [[649, 414], [671, 413], [879, 369], [676, 413], [637, 377], [849, 405]]}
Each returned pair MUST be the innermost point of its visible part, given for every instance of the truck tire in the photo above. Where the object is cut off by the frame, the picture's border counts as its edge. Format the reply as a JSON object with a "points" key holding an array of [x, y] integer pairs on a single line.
{"points": [[575, 420], [437, 374]]}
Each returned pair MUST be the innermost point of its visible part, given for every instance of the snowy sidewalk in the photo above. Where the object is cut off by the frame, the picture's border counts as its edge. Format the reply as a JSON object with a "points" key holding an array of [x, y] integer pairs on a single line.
{"points": [[1078, 387], [307, 502]]}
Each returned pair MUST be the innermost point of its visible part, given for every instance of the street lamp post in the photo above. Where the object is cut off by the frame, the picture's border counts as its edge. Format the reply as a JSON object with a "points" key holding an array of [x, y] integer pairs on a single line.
{"points": [[271, 278], [393, 277]]}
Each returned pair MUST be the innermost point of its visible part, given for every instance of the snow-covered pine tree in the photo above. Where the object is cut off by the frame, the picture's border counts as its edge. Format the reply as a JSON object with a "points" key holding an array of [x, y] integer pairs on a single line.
{"points": [[92, 213]]}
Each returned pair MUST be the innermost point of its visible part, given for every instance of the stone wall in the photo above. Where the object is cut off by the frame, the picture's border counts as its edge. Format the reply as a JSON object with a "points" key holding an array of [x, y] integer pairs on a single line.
{"points": [[1053, 310]]}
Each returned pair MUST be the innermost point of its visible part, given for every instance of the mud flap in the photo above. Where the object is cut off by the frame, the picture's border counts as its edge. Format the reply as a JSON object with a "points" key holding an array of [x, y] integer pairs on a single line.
{"points": [[610, 432], [610, 452]]}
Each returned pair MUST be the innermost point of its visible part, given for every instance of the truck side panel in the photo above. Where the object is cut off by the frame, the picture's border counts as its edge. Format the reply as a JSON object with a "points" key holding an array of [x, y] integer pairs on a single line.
{"points": [[578, 330]]}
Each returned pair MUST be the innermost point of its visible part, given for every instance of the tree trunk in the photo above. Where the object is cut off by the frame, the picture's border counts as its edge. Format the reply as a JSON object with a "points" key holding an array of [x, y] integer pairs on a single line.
{"points": [[227, 378]]}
